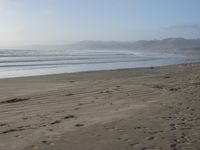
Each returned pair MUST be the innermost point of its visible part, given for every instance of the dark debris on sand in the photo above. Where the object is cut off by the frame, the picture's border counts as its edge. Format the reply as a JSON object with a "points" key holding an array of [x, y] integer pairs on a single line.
{"points": [[14, 100]]}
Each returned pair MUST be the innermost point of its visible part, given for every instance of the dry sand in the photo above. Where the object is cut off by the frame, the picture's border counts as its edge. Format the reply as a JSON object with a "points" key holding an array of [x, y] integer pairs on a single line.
{"points": [[130, 109]]}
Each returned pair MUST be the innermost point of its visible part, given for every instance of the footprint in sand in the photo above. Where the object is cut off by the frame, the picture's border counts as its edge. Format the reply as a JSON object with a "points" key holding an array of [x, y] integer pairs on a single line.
{"points": [[55, 122], [166, 76], [106, 92], [173, 127], [174, 89], [134, 144], [150, 138], [174, 146], [157, 86], [66, 117], [167, 118], [25, 118], [69, 94], [136, 128], [47, 142], [195, 83], [3, 124], [79, 125], [69, 117]]}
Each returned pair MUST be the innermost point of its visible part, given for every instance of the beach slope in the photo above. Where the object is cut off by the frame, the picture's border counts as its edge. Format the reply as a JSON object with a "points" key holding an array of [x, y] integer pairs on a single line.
{"points": [[142, 108]]}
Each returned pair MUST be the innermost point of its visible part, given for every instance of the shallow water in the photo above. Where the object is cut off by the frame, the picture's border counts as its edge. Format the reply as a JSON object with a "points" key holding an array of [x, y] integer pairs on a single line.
{"points": [[18, 63]]}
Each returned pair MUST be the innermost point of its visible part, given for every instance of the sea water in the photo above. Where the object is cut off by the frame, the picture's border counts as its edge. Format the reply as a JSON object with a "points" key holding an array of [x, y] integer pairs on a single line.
{"points": [[19, 63]]}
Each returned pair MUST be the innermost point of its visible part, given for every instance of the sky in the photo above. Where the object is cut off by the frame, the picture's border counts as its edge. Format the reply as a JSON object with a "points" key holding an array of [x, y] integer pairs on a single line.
{"points": [[62, 21]]}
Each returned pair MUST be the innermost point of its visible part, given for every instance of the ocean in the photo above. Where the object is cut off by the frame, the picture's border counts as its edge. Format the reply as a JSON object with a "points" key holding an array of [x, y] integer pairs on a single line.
{"points": [[20, 63]]}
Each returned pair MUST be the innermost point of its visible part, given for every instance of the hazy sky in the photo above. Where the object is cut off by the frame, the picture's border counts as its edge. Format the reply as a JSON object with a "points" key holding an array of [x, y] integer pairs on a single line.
{"points": [[54, 21]]}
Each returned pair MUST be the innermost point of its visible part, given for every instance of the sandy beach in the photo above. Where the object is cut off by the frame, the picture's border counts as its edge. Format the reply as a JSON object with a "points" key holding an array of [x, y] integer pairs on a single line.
{"points": [[129, 109]]}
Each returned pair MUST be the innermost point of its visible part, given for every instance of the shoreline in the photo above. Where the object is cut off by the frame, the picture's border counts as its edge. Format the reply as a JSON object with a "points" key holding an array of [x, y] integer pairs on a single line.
{"points": [[139, 108], [93, 71]]}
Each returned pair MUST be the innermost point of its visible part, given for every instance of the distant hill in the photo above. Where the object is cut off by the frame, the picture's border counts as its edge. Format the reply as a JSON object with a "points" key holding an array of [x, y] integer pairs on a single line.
{"points": [[165, 44]]}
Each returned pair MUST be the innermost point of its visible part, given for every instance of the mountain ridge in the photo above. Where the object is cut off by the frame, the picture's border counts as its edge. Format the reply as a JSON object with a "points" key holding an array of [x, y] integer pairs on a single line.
{"points": [[164, 44]]}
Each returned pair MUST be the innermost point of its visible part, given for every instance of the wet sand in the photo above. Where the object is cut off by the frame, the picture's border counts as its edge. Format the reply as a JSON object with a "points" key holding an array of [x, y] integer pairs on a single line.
{"points": [[134, 109]]}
